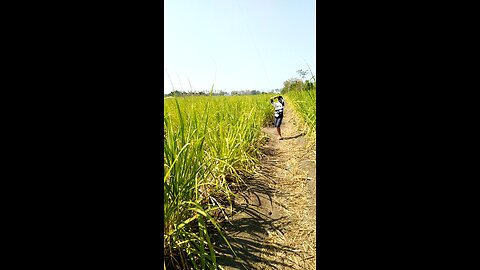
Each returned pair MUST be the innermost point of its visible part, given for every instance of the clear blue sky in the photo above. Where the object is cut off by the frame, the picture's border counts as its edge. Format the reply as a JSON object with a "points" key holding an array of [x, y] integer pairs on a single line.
{"points": [[237, 44]]}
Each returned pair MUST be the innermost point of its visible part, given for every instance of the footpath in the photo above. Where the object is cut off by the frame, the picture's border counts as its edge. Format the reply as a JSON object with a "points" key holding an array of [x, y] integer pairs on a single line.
{"points": [[273, 224]]}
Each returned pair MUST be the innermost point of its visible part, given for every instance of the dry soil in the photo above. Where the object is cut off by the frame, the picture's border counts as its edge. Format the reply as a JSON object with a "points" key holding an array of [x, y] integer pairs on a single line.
{"points": [[273, 223]]}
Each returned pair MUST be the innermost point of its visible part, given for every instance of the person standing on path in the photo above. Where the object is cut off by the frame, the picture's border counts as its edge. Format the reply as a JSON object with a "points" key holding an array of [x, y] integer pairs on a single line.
{"points": [[278, 106]]}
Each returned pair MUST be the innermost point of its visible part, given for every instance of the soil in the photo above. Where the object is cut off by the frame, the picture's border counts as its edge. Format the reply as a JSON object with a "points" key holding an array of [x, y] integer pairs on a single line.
{"points": [[272, 224]]}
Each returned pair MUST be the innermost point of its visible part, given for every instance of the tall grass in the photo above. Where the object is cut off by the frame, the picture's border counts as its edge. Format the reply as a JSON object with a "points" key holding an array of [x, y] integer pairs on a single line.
{"points": [[304, 102], [208, 141]]}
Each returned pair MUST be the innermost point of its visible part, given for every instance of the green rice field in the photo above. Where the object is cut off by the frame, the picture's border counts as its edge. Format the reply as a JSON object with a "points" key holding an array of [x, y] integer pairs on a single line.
{"points": [[209, 143]]}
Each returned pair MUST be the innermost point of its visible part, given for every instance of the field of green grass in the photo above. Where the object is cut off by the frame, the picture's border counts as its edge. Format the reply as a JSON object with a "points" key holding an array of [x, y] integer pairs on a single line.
{"points": [[210, 142], [304, 103]]}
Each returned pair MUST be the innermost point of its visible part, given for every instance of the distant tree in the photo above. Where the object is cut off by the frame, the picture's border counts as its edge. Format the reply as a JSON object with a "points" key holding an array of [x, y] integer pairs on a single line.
{"points": [[176, 93], [291, 85], [302, 73]]}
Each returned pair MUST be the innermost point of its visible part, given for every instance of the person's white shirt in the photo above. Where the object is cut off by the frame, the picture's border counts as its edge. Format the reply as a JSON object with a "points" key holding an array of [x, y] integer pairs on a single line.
{"points": [[278, 106]]}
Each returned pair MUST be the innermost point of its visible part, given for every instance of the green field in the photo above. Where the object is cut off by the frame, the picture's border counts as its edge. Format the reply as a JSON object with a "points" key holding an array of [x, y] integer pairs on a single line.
{"points": [[305, 106], [209, 142]]}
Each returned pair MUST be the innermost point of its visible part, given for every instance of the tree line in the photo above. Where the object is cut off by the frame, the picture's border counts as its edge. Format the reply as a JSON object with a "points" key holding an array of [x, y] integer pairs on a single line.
{"points": [[177, 93], [298, 84], [292, 84]]}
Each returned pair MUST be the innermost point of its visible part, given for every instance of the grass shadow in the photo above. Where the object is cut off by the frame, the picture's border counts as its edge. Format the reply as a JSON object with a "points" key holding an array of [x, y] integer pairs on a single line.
{"points": [[255, 218], [246, 235], [293, 137], [251, 224]]}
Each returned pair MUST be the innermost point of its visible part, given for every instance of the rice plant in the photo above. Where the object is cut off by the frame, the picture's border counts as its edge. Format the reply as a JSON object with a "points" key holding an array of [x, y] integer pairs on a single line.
{"points": [[304, 102], [208, 142]]}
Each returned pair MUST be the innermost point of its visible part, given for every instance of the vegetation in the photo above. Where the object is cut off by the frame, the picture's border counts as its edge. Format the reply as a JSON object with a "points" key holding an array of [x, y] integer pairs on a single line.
{"points": [[297, 84], [305, 106], [303, 95], [208, 142], [177, 93]]}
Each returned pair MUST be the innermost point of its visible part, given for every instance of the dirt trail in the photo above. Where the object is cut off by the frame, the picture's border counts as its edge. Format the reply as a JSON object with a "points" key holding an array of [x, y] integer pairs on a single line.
{"points": [[274, 215]]}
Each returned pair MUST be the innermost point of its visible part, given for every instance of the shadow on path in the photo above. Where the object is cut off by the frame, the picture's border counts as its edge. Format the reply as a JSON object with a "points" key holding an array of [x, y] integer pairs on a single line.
{"points": [[251, 225], [255, 219], [293, 137], [257, 223]]}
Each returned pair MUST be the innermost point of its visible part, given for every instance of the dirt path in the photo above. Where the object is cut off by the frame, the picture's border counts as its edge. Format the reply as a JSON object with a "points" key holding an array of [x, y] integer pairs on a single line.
{"points": [[274, 216]]}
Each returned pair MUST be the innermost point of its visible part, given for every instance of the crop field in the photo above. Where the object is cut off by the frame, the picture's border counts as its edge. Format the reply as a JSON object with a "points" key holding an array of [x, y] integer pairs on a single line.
{"points": [[305, 105], [209, 143]]}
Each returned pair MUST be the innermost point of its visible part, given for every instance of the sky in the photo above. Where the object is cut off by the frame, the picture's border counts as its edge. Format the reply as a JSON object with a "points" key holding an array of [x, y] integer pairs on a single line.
{"points": [[237, 44]]}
